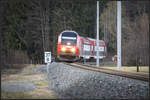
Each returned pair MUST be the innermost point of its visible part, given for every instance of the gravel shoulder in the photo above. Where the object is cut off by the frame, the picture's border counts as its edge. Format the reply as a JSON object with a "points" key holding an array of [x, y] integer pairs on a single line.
{"points": [[66, 82], [75, 83]]}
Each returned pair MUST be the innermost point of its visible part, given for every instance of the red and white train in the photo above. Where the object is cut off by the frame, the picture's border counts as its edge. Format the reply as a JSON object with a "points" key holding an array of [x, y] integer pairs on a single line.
{"points": [[72, 47]]}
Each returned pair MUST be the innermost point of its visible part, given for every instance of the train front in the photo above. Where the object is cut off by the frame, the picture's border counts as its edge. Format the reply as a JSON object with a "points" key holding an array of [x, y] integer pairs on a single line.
{"points": [[67, 46]]}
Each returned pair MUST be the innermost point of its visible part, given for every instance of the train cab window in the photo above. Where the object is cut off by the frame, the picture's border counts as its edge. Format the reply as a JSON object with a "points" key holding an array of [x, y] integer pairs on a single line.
{"points": [[69, 37]]}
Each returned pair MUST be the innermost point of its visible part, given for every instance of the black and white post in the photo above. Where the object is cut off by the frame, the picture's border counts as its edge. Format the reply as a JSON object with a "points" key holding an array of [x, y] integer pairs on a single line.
{"points": [[97, 42], [48, 60], [118, 35]]}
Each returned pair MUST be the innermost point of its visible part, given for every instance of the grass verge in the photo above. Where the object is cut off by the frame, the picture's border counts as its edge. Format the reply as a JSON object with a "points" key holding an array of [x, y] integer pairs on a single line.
{"points": [[131, 68], [41, 92]]}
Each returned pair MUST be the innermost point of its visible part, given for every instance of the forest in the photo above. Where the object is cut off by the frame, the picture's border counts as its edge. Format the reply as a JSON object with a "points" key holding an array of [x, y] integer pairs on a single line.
{"points": [[30, 27]]}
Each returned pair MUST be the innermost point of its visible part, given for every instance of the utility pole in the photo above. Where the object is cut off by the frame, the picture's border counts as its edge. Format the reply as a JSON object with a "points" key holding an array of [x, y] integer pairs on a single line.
{"points": [[104, 33], [106, 28], [97, 42], [118, 35]]}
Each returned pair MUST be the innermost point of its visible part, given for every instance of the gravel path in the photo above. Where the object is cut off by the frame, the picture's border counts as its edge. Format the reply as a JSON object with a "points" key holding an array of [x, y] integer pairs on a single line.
{"points": [[70, 83], [13, 87]]}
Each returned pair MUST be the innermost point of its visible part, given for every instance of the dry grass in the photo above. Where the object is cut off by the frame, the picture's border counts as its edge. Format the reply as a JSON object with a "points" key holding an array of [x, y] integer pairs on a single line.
{"points": [[17, 68], [23, 77], [131, 68], [15, 95], [41, 83], [41, 92], [32, 66], [12, 74]]}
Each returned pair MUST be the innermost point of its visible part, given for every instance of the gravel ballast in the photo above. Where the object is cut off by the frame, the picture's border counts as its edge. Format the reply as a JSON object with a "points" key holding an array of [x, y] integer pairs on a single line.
{"points": [[74, 83]]}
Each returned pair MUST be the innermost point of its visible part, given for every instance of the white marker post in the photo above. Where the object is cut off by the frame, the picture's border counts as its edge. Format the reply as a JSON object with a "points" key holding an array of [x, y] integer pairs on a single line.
{"points": [[118, 35], [48, 60], [97, 41]]}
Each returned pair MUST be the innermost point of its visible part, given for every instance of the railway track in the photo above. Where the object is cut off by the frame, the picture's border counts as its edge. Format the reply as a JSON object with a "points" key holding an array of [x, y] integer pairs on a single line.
{"points": [[133, 75]]}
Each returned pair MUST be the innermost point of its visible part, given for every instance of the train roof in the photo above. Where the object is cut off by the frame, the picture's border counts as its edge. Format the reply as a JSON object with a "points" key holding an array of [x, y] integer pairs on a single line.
{"points": [[69, 31], [81, 36], [91, 38]]}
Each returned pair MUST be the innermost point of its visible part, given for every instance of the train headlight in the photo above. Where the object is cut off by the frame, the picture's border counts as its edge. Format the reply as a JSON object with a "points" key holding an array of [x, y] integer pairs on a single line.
{"points": [[73, 49], [63, 49], [68, 43]]}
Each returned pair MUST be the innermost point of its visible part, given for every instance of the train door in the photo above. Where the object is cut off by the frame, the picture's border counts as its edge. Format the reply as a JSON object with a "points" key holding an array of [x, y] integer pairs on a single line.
{"points": [[86, 49], [81, 47], [100, 49]]}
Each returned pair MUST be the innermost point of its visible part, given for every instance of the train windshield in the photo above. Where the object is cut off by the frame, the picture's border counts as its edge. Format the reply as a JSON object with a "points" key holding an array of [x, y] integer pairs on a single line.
{"points": [[69, 37]]}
